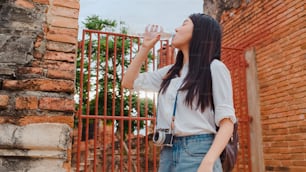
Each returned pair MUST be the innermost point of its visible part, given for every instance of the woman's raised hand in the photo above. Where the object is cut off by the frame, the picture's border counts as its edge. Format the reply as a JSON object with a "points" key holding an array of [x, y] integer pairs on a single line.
{"points": [[151, 36]]}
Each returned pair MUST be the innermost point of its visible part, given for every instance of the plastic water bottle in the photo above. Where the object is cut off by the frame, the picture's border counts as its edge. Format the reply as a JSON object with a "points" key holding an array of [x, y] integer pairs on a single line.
{"points": [[157, 29]]}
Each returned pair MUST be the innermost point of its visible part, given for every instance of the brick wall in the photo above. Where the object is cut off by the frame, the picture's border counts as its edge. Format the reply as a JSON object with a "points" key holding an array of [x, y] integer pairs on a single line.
{"points": [[38, 44], [276, 30]]}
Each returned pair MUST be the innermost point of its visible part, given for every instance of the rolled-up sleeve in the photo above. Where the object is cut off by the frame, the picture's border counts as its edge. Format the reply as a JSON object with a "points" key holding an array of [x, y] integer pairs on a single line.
{"points": [[150, 81], [222, 92]]}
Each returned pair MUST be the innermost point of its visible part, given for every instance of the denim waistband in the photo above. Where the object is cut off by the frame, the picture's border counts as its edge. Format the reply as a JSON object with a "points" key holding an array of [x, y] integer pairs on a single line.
{"points": [[193, 137]]}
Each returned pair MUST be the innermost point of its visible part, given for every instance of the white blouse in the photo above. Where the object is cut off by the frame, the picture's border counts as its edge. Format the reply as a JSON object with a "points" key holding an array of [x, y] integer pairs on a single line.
{"points": [[190, 121]]}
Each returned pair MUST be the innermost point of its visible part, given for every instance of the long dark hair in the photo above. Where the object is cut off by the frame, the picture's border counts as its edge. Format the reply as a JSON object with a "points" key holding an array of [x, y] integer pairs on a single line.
{"points": [[204, 47]]}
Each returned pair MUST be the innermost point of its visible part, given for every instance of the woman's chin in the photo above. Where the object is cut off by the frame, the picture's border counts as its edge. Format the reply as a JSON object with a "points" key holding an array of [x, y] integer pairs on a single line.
{"points": [[174, 44]]}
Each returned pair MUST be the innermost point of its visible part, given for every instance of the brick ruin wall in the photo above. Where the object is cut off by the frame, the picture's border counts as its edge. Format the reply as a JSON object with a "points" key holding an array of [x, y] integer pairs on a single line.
{"points": [[276, 30], [38, 44]]}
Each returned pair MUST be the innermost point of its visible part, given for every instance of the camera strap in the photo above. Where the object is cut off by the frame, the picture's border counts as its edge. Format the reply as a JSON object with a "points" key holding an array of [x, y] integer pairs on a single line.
{"points": [[174, 110], [173, 114]]}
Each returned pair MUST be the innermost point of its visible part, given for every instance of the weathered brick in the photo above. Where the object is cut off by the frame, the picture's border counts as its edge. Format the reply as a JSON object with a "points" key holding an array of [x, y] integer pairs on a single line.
{"points": [[64, 12], [69, 120], [38, 41], [40, 85], [4, 101], [24, 3], [37, 54], [57, 104], [296, 143], [61, 47], [297, 168], [2, 120], [30, 70], [7, 71], [36, 161], [63, 31], [35, 136], [61, 38], [60, 74], [50, 64], [60, 56], [62, 34], [46, 2], [26, 103], [63, 22], [299, 156], [67, 3]]}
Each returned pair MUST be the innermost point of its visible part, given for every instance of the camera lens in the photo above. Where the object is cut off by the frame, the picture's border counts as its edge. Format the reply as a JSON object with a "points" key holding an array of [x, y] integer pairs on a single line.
{"points": [[156, 136], [159, 137]]}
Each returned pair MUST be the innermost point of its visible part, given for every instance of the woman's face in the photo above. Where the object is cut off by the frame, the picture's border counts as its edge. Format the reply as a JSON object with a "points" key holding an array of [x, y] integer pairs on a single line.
{"points": [[183, 34]]}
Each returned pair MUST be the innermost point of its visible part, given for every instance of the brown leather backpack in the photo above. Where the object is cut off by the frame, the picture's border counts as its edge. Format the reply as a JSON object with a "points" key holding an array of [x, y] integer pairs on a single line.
{"points": [[229, 155]]}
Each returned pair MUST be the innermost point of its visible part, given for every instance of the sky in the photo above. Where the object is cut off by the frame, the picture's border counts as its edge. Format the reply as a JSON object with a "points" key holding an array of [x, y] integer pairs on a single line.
{"points": [[137, 14]]}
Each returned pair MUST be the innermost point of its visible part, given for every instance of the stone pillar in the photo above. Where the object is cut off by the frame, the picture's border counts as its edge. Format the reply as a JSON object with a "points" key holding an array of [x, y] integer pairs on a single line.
{"points": [[38, 44], [254, 112]]}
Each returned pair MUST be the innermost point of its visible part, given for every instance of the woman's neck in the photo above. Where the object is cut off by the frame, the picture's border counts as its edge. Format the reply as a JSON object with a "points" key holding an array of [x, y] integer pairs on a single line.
{"points": [[186, 55]]}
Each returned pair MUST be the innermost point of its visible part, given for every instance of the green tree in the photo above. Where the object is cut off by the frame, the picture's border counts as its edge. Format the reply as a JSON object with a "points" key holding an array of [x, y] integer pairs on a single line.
{"points": [[96, 23], [109, 77]]}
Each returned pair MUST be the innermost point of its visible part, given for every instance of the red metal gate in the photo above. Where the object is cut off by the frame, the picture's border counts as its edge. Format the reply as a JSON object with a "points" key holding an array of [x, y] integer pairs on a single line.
{"points": [[115, 125]]}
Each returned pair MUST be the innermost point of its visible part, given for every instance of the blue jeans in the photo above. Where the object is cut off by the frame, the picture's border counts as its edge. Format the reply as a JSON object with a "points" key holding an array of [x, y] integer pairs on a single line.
{"points": [[186, 154]]}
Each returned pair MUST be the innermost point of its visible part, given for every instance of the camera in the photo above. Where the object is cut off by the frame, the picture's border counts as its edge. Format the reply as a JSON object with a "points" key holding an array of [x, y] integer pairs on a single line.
{"points": [[163, 137]]}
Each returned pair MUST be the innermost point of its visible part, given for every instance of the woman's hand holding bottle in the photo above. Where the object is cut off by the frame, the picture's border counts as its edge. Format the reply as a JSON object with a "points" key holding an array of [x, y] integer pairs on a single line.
{"points": [[151, 36], [154, 33]]}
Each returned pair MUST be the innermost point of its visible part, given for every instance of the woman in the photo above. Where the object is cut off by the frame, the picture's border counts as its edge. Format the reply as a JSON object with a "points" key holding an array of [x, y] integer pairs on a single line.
{"points": [[203, 88]]}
